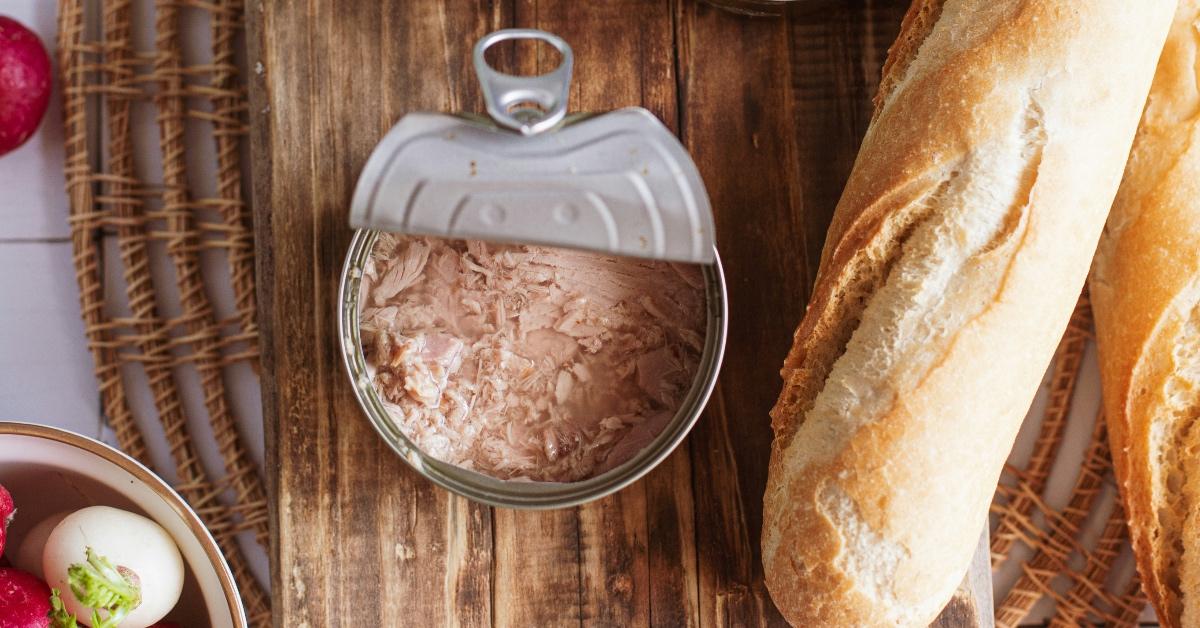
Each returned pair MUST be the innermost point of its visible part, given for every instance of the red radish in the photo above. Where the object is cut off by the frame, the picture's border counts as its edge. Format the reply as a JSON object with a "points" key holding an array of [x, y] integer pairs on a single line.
{"points": [[6, 512], [24, 83], [24, 600]]}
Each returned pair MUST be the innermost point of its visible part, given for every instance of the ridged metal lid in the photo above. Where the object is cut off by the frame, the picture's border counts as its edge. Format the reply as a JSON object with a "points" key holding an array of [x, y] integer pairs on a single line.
{"points": [[618, 182]]}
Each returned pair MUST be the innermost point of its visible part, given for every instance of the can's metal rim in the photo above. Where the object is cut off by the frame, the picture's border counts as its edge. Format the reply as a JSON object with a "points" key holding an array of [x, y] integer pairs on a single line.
{"points": [[521, 494]]}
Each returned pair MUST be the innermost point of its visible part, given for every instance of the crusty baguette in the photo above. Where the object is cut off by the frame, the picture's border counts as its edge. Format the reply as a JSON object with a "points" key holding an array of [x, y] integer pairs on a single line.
{"points": [[950, 270], [1146, 297]]}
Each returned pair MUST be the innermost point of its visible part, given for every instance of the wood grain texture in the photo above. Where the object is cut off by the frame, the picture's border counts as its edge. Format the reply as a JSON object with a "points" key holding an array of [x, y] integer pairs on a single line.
{"points": [[772, 110], [972, 606], [961, 612], [359, 538]]}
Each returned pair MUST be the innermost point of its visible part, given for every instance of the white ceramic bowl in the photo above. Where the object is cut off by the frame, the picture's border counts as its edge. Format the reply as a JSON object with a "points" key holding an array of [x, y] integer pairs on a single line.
{"points": [[48, 470]]}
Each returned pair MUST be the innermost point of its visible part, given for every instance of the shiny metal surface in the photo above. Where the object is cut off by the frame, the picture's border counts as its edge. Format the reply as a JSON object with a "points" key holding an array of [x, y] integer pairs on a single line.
{"points": [[528, 104], [515, 493], [617, 183]]}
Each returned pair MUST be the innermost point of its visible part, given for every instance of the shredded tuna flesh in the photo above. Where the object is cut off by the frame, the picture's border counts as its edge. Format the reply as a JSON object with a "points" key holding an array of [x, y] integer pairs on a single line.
{"points": [[527, 362]]}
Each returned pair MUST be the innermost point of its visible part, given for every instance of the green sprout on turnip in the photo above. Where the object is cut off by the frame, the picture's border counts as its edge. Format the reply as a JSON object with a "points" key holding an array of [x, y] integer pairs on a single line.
{"points": [[99, 585], [59, 617]]}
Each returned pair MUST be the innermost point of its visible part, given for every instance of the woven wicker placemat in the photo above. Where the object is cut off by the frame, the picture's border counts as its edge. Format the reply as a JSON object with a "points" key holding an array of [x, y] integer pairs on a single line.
{"points": [[1065, 564], [138, 336]]}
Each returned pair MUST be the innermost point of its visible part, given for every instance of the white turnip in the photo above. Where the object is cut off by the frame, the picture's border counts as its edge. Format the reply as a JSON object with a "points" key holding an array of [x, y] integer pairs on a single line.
{"points": [[112, 567]]}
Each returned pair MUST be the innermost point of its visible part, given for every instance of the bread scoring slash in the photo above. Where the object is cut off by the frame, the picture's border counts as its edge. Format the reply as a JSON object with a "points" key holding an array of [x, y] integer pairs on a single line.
{"points": [[951, 267], [1146, 297]]}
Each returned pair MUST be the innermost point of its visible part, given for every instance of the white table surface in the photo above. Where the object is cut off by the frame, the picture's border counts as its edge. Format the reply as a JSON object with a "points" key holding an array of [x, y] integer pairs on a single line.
{"points": [[46, 370]]}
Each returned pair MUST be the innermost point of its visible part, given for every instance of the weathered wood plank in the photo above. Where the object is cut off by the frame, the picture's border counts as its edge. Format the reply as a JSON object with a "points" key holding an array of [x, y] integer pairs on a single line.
{"points": [[735, 93], [537, 579], [436, 548], [773, 112], [674, 592], [359, 539], [972, 605], [623, 57], [837, 52]]}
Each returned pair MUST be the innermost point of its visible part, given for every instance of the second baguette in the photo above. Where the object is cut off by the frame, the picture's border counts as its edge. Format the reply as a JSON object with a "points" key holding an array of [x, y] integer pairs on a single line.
{"points": [[1146, 298]]}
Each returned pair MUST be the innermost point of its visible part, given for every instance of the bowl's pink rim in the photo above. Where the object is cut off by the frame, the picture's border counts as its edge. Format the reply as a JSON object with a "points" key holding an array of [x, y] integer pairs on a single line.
{"points": [[156, 484]]}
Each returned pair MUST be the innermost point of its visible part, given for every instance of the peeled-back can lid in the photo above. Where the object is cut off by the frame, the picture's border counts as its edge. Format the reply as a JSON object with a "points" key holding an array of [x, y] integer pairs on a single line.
{"points": [[618, 182]]}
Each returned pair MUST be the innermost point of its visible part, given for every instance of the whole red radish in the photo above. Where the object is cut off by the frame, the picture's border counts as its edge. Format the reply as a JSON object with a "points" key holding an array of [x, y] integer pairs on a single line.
{"points": [[6, 515], [24, 83], [24, 600]]}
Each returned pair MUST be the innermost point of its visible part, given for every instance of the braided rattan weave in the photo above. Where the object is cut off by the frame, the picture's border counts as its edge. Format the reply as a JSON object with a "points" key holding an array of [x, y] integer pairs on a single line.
{"points": [[136, 334], [105, 77], [1074, 571]]}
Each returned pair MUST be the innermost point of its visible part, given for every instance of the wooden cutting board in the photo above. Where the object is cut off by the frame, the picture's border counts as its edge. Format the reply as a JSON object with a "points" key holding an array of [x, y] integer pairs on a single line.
{"points": [[772, 110]]}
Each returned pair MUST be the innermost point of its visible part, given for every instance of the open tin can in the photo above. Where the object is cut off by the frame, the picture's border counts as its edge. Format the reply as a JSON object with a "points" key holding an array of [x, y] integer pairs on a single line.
{"points": [[618, 183]]}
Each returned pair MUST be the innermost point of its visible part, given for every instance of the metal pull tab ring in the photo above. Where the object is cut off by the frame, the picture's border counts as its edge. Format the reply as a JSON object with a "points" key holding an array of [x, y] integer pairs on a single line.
{"points": [[529, 104]]}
